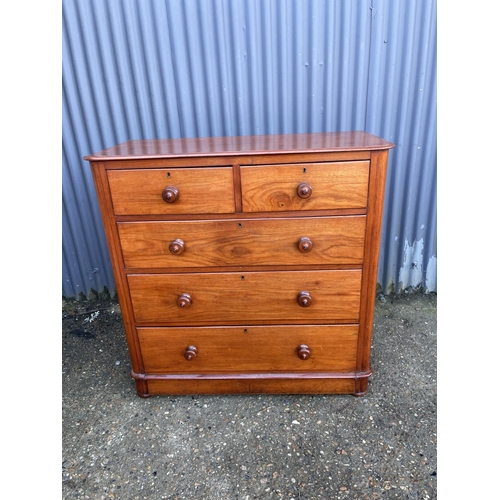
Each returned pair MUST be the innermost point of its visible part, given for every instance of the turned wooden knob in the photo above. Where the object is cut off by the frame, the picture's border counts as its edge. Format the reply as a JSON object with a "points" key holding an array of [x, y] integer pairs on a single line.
{"points": [[305, 244], [190, 352], [184, 300], [304, 299], [176, 247], [303, 351], [170, 194], [304, 190]]}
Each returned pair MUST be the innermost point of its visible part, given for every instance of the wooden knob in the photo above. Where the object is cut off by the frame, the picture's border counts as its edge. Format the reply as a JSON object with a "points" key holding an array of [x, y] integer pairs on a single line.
{"points": [[170, 194], [304, 190], [304, 299], [190, 352], [176, 247], [184, 300], [305, 244], [303, 352]]}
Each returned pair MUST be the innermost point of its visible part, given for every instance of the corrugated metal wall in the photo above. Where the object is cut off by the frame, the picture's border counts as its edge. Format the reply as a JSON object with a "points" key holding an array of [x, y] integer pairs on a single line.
{"points": [[194, 68]]}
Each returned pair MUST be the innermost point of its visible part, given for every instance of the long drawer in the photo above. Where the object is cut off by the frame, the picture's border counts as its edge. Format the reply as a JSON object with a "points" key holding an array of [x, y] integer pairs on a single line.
{"points": [[289, 348], [250, 242], [307, 186], [250, 297]]}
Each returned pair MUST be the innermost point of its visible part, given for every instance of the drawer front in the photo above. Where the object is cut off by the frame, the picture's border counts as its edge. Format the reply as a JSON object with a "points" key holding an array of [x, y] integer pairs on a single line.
{"points": [[172, 191], [249, 349], [194, 298], [298, 241], [308, 186]]}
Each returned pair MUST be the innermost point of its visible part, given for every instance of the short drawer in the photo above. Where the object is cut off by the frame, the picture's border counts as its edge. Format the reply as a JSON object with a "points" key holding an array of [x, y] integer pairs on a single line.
{"points": [[243, 242], [253, 297], [307, 186], [172, 191], [288, 348]]}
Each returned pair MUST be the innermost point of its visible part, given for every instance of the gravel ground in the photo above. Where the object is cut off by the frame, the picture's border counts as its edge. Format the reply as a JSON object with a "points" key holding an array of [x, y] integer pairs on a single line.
{"points": [[383, 445]]}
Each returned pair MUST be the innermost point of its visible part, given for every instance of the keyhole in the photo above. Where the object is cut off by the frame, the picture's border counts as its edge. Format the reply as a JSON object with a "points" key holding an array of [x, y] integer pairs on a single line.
{"points": [[243, 278], [305, 170], [168, 175], [240, 226]]}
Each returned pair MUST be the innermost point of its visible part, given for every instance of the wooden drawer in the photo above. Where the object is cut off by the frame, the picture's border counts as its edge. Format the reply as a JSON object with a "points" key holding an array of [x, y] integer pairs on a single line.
{"points": [[244, 298], [249, 349], [199, 191], [305, 186], [244, 242]]}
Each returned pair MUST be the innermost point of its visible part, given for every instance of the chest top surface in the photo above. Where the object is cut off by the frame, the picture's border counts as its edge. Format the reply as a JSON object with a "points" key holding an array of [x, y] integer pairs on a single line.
{"points": [[242, 145]]}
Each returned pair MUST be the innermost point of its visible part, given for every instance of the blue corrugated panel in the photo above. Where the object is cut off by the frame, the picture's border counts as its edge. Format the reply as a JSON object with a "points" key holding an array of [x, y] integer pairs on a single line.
{"points": [[194, 68], [402, 109]]}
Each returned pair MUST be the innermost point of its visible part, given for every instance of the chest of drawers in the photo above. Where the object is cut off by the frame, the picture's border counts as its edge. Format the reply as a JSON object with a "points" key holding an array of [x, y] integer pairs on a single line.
{"points": [[246, 264]]}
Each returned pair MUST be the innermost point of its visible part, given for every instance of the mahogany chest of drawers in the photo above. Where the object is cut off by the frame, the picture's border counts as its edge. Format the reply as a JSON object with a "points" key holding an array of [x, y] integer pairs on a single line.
{"points": [[246, 264]]}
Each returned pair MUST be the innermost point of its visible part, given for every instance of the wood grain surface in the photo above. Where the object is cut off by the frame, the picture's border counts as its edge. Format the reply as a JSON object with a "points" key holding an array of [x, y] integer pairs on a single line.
{"points": [[249, 349], [271, 242], [268, 188], [251, 297], [139, 192]]}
